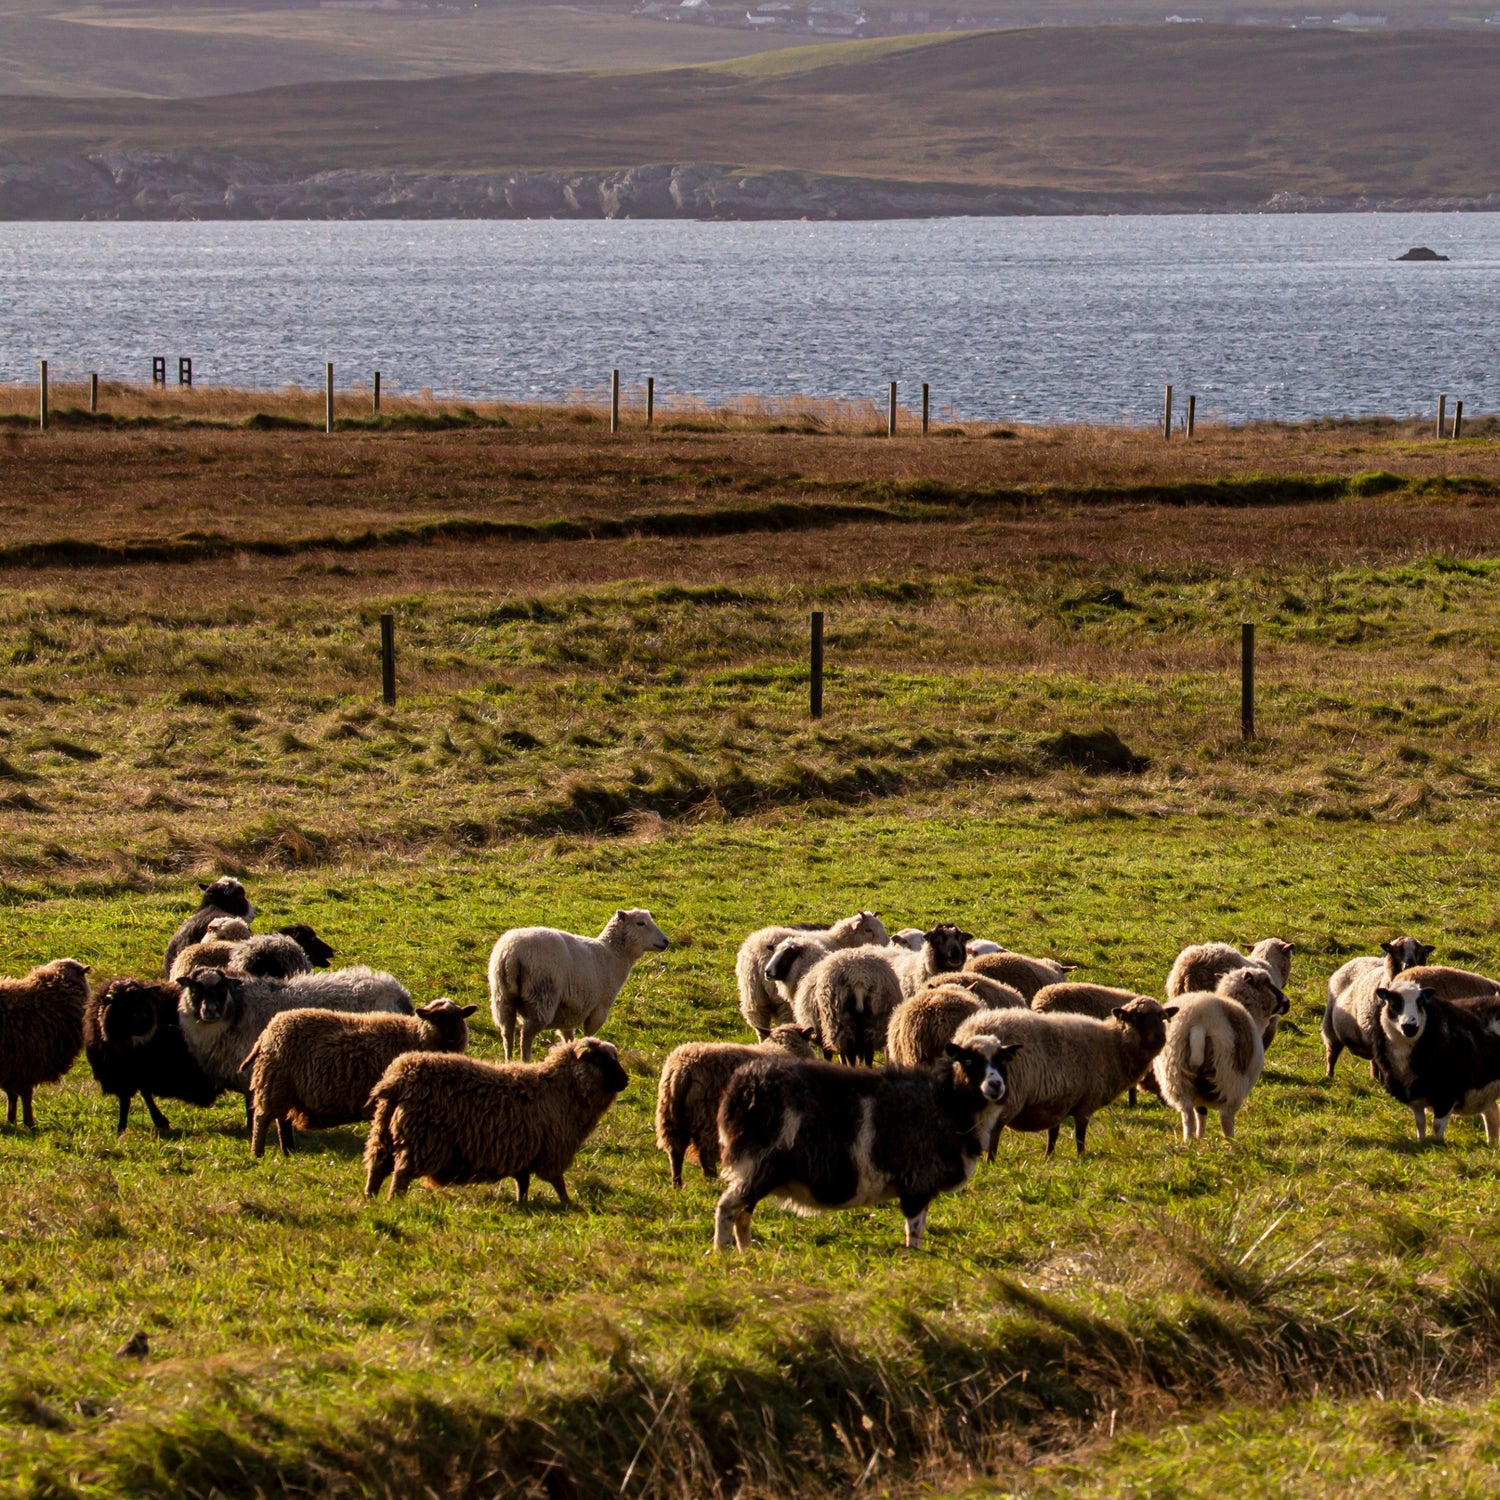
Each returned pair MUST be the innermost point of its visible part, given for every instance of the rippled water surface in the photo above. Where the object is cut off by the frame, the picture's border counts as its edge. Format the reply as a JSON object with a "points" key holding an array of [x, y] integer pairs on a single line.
{"points": [[1034, 319]]}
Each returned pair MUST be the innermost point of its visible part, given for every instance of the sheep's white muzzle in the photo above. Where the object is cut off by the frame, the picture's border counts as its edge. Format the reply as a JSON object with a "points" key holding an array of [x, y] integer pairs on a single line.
{"points": [[993, 1087]]}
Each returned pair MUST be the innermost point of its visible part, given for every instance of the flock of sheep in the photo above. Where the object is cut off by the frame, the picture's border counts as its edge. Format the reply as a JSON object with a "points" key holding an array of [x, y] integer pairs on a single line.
{"points": [[975, 1038]]}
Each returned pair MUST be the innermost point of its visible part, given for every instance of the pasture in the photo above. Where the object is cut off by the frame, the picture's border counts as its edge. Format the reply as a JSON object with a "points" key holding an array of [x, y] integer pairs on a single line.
{"points": [[601, 658]]}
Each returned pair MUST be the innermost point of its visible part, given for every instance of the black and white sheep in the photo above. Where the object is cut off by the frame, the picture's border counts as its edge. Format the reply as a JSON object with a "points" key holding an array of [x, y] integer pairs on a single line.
{"points": [[313, 1069], [541, 977], [1439, 1054], [225, 897], [693, 1080], [814, 1136], [222, 1013], [847, 999], [1069, 1066], [41, 1030], [771, 962], [135, 1045], [452, 1120], [1215, 1049], [942, 951], [1351, 1016], [1020, 971]]}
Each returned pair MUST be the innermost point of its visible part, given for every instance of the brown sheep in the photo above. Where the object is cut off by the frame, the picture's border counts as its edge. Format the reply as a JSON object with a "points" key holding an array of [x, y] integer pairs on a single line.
{"points": [[924, 1025], [451, 1119], [989, 992], [693, 1080], [1027, 975], [312, 1069], [1097, 1000], [41, 1030]]}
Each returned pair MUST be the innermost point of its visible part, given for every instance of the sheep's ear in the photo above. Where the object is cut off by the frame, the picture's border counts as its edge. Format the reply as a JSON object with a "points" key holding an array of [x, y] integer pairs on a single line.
{"points": [[620, 911], [807, 1033], [1389, 949], [953, 1050], [1119, 1013], [1386, 996], [1425, 951], [1427, 997], [1170, 1010], [1006, 1050], [467, 1010]]}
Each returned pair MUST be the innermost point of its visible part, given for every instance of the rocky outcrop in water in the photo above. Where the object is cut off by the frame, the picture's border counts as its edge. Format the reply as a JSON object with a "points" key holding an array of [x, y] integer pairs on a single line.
{"points": [[199, 185]]}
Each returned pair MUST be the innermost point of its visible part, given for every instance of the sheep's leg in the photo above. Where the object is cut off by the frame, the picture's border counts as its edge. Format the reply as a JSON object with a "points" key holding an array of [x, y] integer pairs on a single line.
{"points": [[1200, 1117], [916, 1226], [1490, 1116], [742, 1229], [530, 1027], [732, 1220], [708, 1156], [1052, 1132], [286, 1134], [258, 1129], [1226, 1121], [561, 1189], [1080, 1131], [1332, 1048], [1189, 1124], [401, 1175], [1132, 1095], [377, 1170], [1439, 1124], [124, 1113], [675, 1155], [158, 1119], [249, 1111], [10, 1108], [523, 1186], [508, 1034], [30, 1118], [1419, 1113]]}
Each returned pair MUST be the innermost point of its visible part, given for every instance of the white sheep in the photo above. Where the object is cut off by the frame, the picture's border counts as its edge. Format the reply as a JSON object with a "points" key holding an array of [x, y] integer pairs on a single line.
{"points": [[765, 1000], [541, 977], [1198, 969]]}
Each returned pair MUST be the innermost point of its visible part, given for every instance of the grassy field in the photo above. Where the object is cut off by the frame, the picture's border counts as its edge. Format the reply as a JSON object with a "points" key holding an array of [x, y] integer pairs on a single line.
{"points": [[602, 703], [1183, 114]]}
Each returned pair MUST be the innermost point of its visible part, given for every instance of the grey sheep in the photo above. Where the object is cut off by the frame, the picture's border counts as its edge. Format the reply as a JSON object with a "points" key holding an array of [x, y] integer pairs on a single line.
{"points": [[693, 1080], [230, 945], [312, 1069], [41, 1030], [771, 962], [541, 977], [225, 897], [847, 999], [451, 1119], [1020, 971], [1068, 1065], [223, 1013], [1215, 1049]]}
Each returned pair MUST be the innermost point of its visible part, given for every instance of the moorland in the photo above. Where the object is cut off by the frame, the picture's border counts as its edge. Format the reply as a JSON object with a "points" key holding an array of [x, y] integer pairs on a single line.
{"points": [[602, 702]]}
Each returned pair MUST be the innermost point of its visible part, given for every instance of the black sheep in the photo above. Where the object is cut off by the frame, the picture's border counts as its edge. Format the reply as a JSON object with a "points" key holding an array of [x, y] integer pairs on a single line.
{"points": [[224, 898]]}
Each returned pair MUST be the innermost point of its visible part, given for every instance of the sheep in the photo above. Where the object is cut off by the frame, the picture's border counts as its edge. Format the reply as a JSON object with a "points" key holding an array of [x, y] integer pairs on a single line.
{"points": [[1351, 1017], [1021, 972], [224, 898], [1443, 1054], [1199, 968], [762, 1003], [847, 999], [319, 954], [229, 945], [922, 1026], [135, 1045], [1097, 1000], [1068, 1065], [540, 977], [989, 992], [908, 937], [979, 947], [1451, 984], [813, 1136], [942, 950], [222, 1013], [693, 1080], [312, 1069], [1215, 1049], [41, 1030], [451, 1119]]}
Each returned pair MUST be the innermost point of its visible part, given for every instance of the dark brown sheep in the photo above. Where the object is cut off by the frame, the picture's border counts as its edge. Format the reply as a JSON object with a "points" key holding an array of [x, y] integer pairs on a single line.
{"points": [[41, 1030], [451, 1119]]}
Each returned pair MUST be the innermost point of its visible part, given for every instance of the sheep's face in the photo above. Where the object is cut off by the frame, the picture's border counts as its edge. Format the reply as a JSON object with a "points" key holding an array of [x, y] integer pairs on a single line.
{"points": [[644, 933], [909, 937], [1255, 990], [948, 943], [228, 895], [127, 1014], [210, 993], [1403, 1010], [319, 954], [783, 959], [868, 928], [1407, 953], [1147, 1019], [980, 1063], [602, 1057], [450, 1023], [797, 1041]]}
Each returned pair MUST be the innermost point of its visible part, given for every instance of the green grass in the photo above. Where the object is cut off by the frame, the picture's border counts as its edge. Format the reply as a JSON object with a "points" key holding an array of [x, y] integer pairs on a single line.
{"points": [[299, 1334]]}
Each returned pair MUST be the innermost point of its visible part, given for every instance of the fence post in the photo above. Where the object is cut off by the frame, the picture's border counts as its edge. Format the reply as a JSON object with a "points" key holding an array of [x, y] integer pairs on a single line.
{"points": [[376, 394], [1247, 682], [1192, 414], [184, 370], [1458, 420], [388, 658], [93, 391], [1166, 415], [815, 705], [158, 369], [925, 407], [614, 400], [650, 399], [328, 398], [1442, 415], [42, 394], [890, 412]]}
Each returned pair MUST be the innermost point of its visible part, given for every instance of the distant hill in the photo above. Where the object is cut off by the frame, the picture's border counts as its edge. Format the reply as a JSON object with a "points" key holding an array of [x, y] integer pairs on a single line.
{"points": [[1179, 116]]}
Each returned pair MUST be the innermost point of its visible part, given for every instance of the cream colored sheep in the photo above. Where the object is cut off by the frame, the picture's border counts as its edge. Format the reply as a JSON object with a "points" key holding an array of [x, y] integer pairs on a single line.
{"points": [[765, 1004], [847, 999]]}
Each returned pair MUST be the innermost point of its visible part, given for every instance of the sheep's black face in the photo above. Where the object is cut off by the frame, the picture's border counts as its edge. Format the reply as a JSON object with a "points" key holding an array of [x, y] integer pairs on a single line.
{"points": [[603, 1058], [950, 944], [227, 895], [211, 993], [127, 1016], [1148, 1020], [319, 954]]}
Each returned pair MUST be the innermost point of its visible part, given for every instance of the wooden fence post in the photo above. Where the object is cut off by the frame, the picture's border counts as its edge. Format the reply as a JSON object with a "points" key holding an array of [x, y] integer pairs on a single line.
{"points": [[42, 395], [377, 393], [328, 398], [94, 391], [650, 399], [1247, 682], [925, 407], [614, 400], [1192, 414], [1442, 416], [890, 412], [1166, 415], [815, 704], [1458, 420], [388, 658]]}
